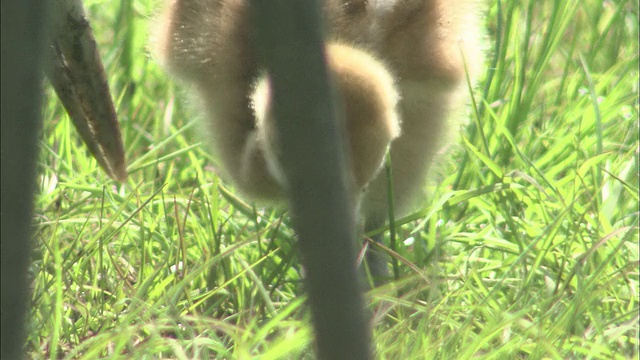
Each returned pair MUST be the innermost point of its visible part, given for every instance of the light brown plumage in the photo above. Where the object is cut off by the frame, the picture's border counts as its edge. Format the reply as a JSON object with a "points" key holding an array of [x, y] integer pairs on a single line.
{"points": [[399, 67]]}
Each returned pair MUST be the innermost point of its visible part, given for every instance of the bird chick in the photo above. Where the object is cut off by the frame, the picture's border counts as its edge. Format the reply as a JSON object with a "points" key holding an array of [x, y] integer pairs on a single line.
{"points": [[369, 101], [399, 68]]}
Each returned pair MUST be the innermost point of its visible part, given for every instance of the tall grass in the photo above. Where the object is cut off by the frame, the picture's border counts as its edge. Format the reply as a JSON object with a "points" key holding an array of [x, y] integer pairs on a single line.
{"points": [[526, 249]]}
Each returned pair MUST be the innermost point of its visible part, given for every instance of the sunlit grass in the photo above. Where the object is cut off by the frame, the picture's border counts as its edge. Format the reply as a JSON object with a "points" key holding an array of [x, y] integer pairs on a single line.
{"points": [[526, 249]]}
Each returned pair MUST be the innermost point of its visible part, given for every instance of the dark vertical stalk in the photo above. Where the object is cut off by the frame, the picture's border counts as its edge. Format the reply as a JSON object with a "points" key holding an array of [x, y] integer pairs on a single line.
{"points": [[23, 44], [289, 44]]}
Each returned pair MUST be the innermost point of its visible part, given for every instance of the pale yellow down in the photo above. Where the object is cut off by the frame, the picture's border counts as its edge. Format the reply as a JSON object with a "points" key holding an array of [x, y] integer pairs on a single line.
{"points": [[399, 67]]}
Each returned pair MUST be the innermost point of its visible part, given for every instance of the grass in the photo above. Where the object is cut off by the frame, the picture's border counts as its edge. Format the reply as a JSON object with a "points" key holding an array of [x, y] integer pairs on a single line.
{"points": [[526, 249]]}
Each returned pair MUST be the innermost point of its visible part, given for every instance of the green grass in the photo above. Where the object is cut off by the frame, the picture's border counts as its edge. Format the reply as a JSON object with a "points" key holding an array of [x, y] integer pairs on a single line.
{"points": [[526, 249]]}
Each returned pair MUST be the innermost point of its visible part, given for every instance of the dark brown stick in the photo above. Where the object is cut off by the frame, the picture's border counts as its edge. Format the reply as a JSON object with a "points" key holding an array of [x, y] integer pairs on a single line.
{"points": [[289, 43], [23, 44]]}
